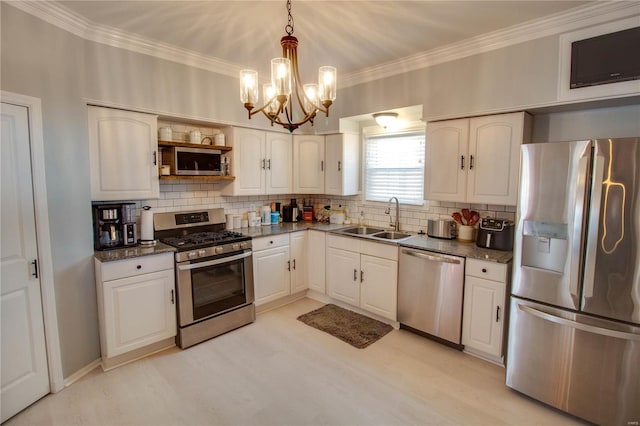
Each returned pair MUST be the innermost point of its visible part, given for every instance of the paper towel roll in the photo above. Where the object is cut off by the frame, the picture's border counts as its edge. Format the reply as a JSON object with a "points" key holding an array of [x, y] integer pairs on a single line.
{"points": [[146, 224], [229, 219]]}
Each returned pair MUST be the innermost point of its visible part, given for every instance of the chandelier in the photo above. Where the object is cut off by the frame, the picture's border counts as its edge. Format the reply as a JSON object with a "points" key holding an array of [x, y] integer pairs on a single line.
{"points": [[286, 92]]}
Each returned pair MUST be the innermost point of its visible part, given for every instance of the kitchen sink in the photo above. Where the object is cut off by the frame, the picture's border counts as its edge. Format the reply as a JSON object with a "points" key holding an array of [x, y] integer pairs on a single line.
{"points": [[391, 235], [361, 230]]}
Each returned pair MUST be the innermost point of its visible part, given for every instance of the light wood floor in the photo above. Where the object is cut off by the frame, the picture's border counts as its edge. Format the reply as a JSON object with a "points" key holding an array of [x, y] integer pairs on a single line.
{"points": [[280, 371]]}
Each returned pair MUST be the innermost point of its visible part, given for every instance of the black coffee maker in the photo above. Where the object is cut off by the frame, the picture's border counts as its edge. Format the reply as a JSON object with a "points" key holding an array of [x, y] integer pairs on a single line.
{"points": [[114, 225]]}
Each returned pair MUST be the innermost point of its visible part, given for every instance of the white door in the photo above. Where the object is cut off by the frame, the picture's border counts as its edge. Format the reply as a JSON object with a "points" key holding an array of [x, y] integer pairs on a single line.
{"points": [[279, 150], [308, 164], [271, 274], [494, 158], [343, 275], [24, 372], [446, 162], [316, 254], [483, 314], [379, 289], [298, 245]]}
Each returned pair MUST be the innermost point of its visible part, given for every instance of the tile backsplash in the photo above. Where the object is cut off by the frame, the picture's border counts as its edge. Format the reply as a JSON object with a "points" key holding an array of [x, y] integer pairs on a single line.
{"points": [[188, 195]]}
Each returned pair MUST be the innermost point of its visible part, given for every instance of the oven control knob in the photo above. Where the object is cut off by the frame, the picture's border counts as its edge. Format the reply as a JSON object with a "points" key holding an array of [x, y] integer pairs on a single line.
{"points": [[244, 245], [219, 250], [192, 255], [235, 246], [202, 253]]}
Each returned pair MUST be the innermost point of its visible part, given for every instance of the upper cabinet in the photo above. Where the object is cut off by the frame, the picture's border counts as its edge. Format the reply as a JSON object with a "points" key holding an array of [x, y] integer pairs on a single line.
{"points": [[308, 164], [475, 160], [260, 162], [342, 164], [123, 152]]}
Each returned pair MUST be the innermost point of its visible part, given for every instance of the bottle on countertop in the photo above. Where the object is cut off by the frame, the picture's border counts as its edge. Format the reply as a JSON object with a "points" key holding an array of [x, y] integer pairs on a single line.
{"points": [[361, 220]]}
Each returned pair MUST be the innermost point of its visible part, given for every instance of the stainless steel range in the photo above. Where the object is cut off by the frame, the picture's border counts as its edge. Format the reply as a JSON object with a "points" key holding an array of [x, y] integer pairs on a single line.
{"points": [[214, 273]]}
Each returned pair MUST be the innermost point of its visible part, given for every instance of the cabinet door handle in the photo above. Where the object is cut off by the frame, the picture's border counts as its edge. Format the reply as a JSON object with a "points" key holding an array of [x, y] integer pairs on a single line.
{"points": [[35, 268], [497, 313], [484, 270], [155, 158], [139, 267], [322, 165], [355, 275], [470, 162], [288, 265], [172, 298], [462, 162], [294, 264], [361, 276], [263, 163], [339, 165], [269, 164]]}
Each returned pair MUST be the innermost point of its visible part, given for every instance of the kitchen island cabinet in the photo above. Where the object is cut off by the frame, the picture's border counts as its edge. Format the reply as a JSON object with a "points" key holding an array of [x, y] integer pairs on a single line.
{"points": [[363, 274], [123, 154], [136, 306], [475, 160]]}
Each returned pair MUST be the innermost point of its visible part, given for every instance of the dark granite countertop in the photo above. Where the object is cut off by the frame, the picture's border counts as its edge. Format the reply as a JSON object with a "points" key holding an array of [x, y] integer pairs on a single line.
{"points": [[131, 252], [287, 227]]}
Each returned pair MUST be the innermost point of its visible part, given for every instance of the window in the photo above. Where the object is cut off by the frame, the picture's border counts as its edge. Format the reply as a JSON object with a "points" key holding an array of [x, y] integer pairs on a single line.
{"points": [[394, 167]]}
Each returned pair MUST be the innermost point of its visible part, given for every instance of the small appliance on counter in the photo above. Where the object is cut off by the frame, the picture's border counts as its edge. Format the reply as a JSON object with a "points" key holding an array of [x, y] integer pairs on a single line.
{"points": [[290, 211], [495, 234], [146, 227], [442, 228], [114, 225]]}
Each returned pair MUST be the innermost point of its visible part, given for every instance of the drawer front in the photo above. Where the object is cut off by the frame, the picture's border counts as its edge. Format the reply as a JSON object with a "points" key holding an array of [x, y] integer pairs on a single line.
{"points": [[343, 243], [385, 251], [136, 266], [272, 241], [487, 270]]}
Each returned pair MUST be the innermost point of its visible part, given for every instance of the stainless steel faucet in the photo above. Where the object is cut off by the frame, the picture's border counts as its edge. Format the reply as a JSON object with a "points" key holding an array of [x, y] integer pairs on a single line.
{"points": [[396, 225]]}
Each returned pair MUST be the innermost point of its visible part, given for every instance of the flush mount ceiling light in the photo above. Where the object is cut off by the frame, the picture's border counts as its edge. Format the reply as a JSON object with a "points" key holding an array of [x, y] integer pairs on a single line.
{"points": [[385, 119], [282, 95]]}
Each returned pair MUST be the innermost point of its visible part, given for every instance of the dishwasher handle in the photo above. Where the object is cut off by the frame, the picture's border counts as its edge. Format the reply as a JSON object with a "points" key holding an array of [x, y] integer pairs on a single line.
{"points": [[432, 257]]}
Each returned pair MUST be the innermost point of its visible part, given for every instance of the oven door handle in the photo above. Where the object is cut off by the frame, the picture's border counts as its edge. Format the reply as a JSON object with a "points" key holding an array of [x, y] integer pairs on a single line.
{"points": [[214, 262]]}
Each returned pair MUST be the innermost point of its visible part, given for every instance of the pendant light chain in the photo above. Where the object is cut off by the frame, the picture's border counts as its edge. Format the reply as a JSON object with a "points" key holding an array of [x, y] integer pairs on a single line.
{"points": [[289, 27]]}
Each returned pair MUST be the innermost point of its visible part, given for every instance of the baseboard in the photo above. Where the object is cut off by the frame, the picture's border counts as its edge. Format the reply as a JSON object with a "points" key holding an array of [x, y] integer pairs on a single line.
{"points": [[484, 356], [81, 373]]}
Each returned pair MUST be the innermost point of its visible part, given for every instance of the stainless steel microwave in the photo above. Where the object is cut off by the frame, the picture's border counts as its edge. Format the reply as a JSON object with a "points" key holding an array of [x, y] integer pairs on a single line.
{"points": [[197, 161]]}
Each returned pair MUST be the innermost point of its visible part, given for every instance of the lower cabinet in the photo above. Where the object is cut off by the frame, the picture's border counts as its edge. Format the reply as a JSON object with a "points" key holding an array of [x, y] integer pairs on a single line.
{"points": [[279, 265], [484, 313], [316, 249], [364, 274], [136, 303]]}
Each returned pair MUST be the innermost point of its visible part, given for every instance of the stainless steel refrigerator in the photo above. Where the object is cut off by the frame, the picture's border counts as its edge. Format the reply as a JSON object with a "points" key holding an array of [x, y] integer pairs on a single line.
{"points": [[574, 331]]}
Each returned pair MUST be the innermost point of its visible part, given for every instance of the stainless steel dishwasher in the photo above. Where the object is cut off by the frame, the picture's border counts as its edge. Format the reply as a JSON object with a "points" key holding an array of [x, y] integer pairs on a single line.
{"points": [[430, 289]]}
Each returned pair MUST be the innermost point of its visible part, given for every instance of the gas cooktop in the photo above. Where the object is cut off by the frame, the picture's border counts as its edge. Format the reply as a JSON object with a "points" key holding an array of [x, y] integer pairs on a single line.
{"points": [[204, 239]]}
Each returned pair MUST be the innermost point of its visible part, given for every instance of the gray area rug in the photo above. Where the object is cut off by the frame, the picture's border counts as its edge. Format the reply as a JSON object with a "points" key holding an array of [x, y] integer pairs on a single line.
{"points": [[355, 329]]}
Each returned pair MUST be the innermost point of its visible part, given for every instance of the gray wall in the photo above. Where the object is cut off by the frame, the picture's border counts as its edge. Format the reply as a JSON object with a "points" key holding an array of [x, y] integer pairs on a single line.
{"points": [[64, 71], [42, 61]]}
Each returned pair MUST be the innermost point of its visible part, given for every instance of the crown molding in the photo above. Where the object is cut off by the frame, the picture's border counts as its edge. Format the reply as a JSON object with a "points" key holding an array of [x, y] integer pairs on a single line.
{"points": [[555, 24], [62, 17], [597, 13]]}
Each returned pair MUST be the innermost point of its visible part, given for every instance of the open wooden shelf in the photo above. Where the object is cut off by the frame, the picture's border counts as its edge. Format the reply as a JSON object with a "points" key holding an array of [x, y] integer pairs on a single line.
{"points": [[193, 145], [200, 178]]}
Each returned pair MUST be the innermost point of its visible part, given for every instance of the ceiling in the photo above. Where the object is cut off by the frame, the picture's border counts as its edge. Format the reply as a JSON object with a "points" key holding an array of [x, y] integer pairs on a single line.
{"points": [[350, 35]]}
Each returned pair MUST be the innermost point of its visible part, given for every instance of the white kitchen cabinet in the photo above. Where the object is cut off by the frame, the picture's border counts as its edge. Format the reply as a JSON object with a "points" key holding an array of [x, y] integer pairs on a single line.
{"points": [[123, 154], [308, 164], [364, 274], [316, 255], [298, 258], [271, 263], [136, 303], [475, 160], [483, 314], [342, 164], [260, 162], [279, 266]]}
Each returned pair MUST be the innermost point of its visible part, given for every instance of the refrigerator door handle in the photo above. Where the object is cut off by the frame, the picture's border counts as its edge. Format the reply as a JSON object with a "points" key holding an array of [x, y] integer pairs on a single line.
{"points": [[577, 325], [578, 225], [594, 220]]}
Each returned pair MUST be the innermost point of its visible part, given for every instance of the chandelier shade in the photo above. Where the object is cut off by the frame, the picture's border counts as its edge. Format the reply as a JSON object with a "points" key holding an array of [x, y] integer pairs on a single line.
{"points": [[286, 100]]}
